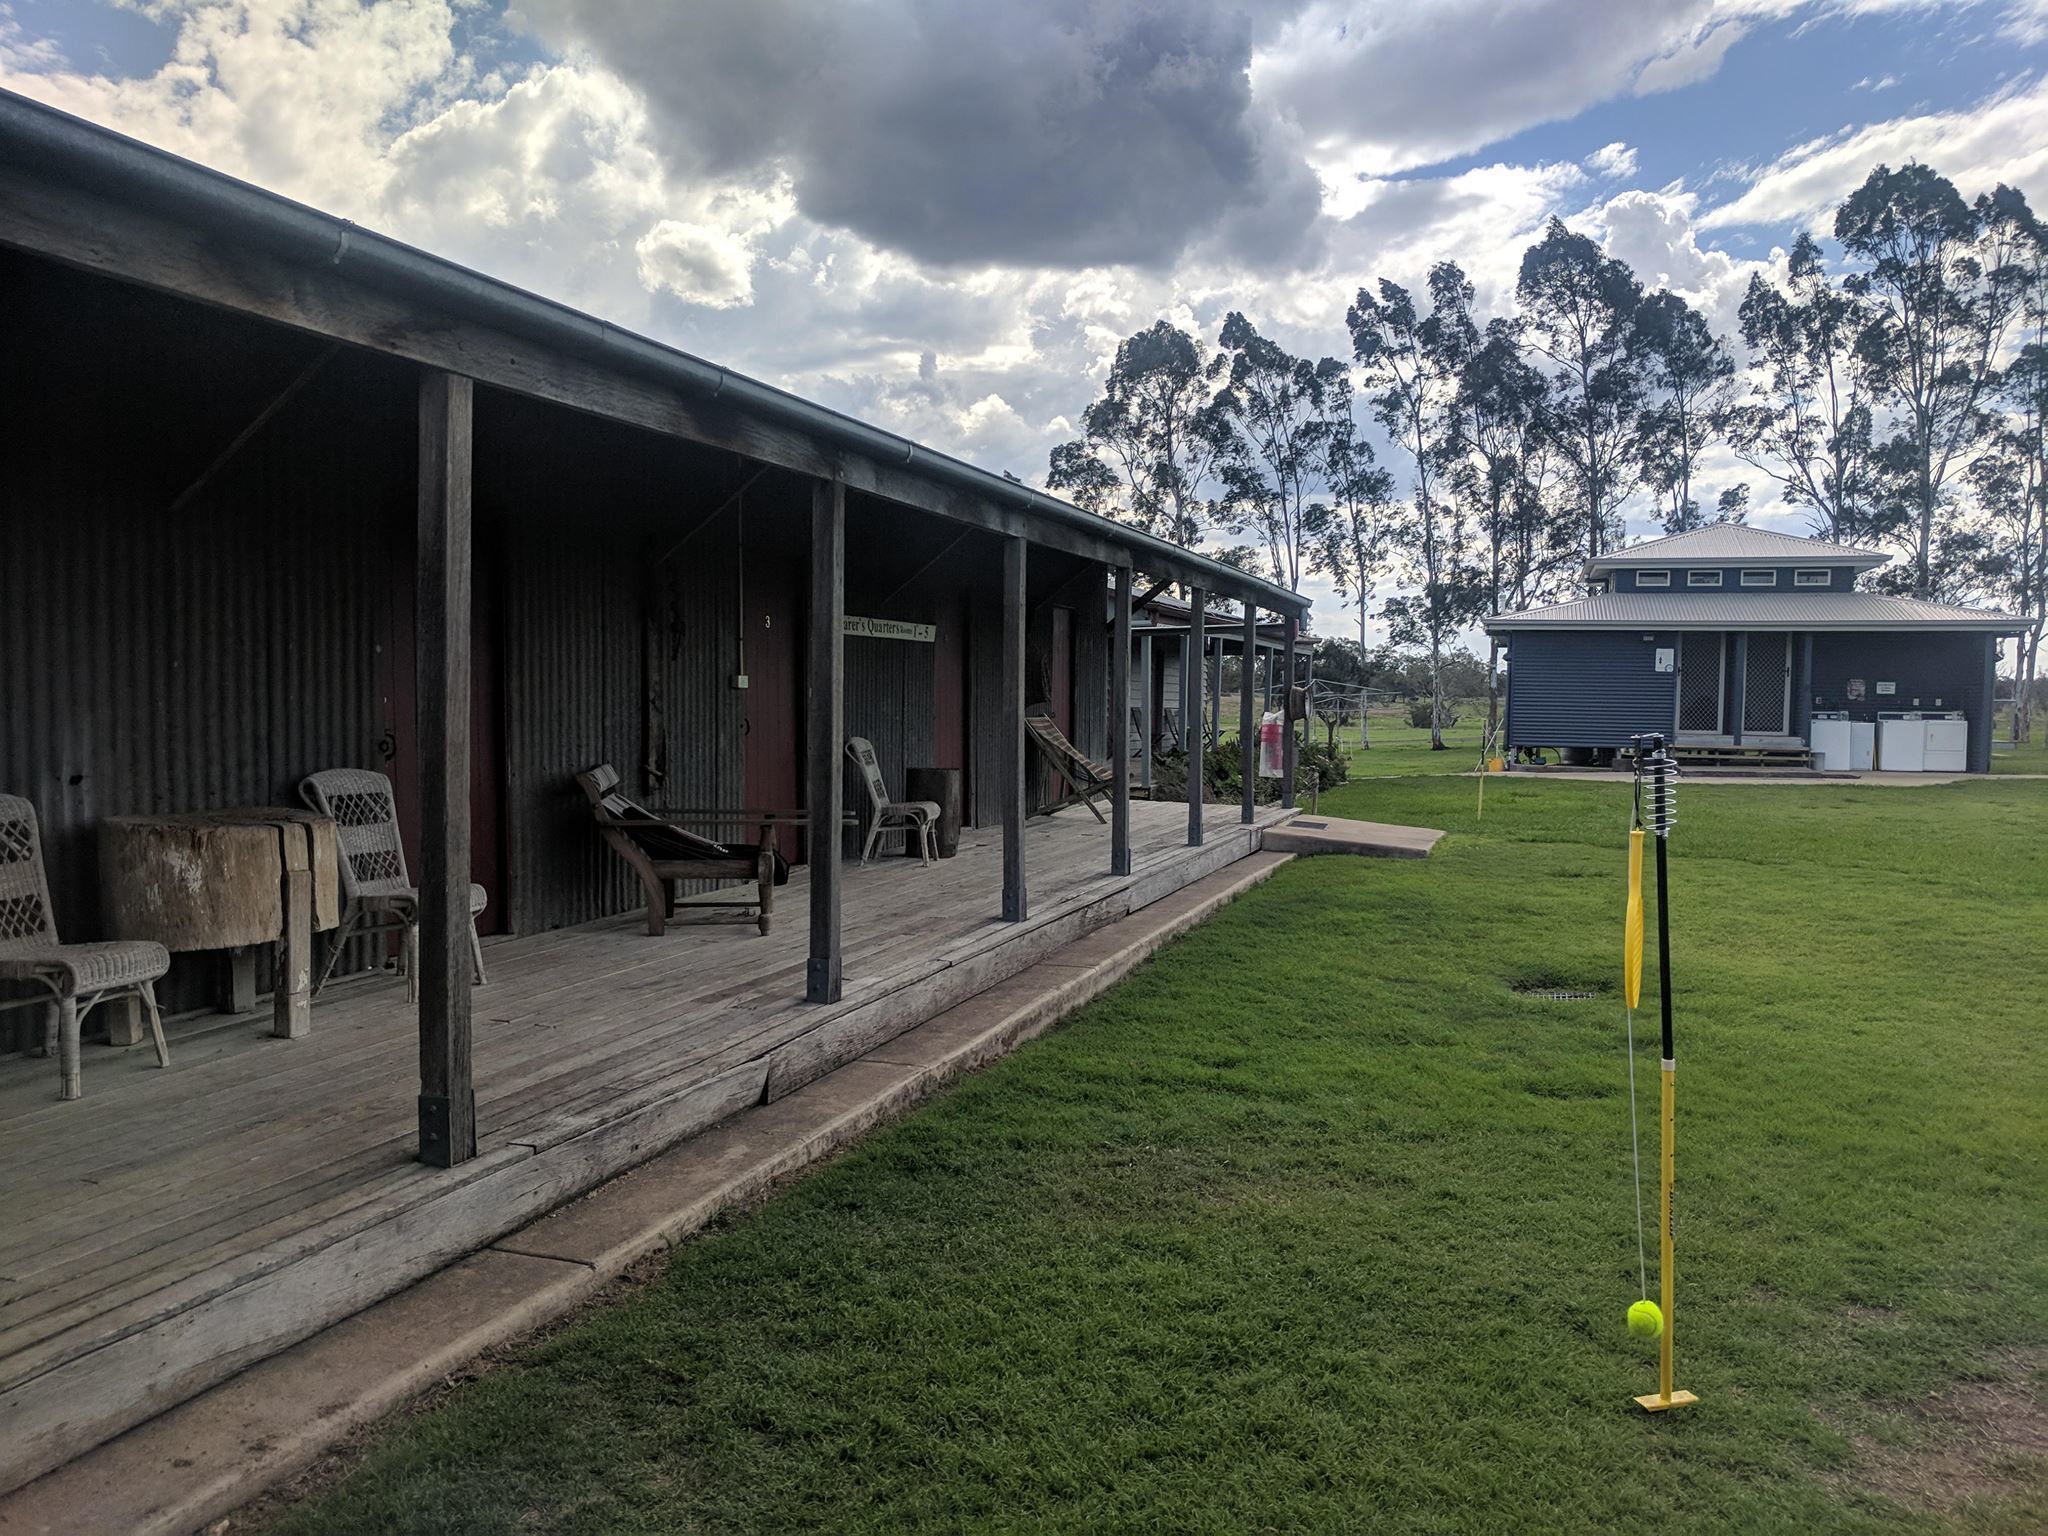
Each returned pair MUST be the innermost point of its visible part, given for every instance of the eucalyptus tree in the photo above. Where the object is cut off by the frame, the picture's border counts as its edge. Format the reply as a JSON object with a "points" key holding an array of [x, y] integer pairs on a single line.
{"points": [[1806, 421], [1580, 306], [1355, 532], [1149, 445], [1939, 279], [1273, 423], [1412, 364], [1689, 384], [2011, 480]]}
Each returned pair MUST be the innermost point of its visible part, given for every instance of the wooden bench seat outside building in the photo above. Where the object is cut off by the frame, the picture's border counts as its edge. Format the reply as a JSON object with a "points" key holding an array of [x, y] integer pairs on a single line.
{"points": [[420, 522]]}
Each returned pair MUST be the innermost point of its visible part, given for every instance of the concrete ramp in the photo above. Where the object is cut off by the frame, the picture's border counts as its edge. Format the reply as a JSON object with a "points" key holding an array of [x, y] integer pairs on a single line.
{"points": [[1310, 833]]}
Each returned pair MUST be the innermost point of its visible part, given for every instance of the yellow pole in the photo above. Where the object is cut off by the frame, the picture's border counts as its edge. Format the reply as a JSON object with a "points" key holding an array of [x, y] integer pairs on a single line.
{"points": [[1666, 1395]]}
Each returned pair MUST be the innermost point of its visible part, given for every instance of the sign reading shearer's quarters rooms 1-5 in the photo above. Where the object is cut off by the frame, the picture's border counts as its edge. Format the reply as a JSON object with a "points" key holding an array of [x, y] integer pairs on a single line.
{"points": [[890, 629]]}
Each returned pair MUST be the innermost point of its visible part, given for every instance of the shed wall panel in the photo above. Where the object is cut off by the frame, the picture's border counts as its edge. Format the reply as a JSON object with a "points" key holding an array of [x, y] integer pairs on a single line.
{"points": [[1587, 688]]}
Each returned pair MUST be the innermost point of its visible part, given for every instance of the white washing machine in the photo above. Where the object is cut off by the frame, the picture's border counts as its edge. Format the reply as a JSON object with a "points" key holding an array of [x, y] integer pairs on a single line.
{"points": [[1902, 742], [1948, 743], [1829, 737]]}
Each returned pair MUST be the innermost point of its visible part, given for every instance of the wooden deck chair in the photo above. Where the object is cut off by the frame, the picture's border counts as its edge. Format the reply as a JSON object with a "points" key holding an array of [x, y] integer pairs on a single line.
{"points": [[661, 849], [381, 895], [1088, 777], [78, 977], [920, 818]]}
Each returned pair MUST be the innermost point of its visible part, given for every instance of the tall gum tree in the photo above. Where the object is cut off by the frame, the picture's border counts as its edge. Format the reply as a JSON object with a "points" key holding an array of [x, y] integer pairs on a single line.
{"points": [[1580, 305]]}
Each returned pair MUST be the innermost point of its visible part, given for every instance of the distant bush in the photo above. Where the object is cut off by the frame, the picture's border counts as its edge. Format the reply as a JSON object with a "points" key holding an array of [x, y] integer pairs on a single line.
{"points": [[1418, 714]]}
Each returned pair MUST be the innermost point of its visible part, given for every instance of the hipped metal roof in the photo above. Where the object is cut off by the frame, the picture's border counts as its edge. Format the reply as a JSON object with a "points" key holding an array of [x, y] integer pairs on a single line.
{"points": [[56, 147], [1735, 544], [1758, 610]]}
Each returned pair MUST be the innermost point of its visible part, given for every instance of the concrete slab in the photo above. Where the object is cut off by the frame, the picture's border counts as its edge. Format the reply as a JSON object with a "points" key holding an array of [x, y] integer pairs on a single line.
{"points": [[1335, 834], [171, 1475], [216, 1451]]}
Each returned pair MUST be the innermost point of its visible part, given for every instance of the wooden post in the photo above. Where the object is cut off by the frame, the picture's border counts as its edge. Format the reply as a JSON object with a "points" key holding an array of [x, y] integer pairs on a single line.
{"points": [[825, 725], [1192, 716], [447, 1105], [1146, 684], [1247, 717], [291, 1002], [1120, 727], [1011, 794], [1287, 747]]}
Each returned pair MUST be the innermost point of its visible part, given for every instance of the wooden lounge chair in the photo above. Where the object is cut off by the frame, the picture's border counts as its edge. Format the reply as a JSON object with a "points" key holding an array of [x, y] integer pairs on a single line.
{"points": [[1088, 777], [381, 895], [661, 849], [920, 818], [78, 977]]}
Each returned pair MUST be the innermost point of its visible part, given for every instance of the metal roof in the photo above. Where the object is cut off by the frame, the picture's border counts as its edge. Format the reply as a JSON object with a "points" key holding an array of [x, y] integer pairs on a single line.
{"points": [[53, 145], [1735, 544], [1757, 610]]}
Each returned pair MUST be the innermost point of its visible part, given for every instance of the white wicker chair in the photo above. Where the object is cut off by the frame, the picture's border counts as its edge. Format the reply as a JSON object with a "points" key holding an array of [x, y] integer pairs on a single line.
{"points": [[381, 895], [78, 976], [920, 818]]}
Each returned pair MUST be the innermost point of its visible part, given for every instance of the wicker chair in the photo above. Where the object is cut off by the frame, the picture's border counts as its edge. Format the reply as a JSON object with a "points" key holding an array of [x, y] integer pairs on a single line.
{"points": [[78, 976], [917, 817], [381, 895]]}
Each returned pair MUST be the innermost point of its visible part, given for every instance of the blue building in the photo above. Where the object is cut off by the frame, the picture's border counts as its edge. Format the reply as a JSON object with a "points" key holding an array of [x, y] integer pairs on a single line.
{"points": [[1743, 643]]}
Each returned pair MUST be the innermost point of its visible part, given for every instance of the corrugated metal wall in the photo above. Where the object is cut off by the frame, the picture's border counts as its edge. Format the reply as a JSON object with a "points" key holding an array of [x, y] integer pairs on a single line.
{"points": [[585, 511], [153, 661], [889, 700], [1589, 688]]}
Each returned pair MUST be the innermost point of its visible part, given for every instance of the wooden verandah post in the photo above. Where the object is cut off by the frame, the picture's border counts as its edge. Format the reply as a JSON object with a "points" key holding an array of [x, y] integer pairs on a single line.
{"points": [[447, 1099], [1146, 704], [1191, 720], [1287, 745], [1015, 906], [1247, 719], [824, 720], [1120, 727]]}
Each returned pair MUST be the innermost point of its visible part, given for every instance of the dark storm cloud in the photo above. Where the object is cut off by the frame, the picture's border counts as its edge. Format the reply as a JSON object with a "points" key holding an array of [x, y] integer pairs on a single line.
{"points": [[1026, 132]]}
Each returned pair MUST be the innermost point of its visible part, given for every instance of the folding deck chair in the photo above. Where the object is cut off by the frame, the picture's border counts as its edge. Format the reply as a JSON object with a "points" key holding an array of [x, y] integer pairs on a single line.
{"points": [[78, 977], [1088, 777], [661, 849]]}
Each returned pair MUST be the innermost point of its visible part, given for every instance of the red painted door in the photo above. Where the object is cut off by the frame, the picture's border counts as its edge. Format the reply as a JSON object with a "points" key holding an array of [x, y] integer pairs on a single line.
{"points": [[772, 628], [1062, 680]]}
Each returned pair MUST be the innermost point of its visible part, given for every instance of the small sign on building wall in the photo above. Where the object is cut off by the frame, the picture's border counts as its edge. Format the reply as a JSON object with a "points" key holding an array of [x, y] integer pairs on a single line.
{"points": [[1667, 659], [1887, 689], [889, 629]]}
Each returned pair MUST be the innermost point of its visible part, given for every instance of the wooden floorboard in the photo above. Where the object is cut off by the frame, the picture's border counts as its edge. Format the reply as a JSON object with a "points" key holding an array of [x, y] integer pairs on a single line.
{"points": [[165, 1193]]}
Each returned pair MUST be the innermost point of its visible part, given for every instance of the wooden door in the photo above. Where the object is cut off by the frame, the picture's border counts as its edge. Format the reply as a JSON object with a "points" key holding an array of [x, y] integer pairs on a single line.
{"points": [[769, 711], [487, 747], [1061, 688]]}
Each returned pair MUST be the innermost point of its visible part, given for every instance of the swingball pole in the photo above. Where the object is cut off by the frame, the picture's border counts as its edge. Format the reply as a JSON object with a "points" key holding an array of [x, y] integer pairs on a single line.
{"points": [[1659, 772]]}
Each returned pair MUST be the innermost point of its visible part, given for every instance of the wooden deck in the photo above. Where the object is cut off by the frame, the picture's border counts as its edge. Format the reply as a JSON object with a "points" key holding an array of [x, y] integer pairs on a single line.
{"points": [[174, 1226]]}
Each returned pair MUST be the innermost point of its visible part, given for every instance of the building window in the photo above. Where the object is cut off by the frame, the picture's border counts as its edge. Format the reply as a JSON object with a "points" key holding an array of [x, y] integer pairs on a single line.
{"points": [[1821, 578], [1759, 578], [1703, 578], [1653, 578]]}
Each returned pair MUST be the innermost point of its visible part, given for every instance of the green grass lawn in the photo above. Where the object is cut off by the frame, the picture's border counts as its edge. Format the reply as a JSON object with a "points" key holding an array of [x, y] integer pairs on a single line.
{"points": [[1315, 1224]]}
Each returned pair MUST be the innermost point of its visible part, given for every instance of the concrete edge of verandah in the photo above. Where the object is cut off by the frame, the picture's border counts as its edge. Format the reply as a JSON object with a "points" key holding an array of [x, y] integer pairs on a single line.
{"points": [[224, 1447]]}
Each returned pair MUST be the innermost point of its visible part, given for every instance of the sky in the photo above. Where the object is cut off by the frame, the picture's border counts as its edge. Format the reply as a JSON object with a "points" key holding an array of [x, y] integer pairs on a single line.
{"points": [[943, 215]]}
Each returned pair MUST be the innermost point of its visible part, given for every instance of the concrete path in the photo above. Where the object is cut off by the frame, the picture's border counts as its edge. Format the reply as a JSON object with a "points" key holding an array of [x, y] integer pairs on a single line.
{"points": [[214, 1453], [1876, 779], [1311, 833]]}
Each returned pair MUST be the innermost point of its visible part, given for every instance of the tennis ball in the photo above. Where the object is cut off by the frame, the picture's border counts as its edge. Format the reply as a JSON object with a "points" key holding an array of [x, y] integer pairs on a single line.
{"points": [[1644, 1320]]}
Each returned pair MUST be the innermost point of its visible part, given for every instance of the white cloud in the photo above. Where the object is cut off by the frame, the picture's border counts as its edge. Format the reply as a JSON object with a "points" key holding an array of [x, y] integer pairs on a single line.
{"points": [[2003, 139], [1612, 161], [696, 264]]}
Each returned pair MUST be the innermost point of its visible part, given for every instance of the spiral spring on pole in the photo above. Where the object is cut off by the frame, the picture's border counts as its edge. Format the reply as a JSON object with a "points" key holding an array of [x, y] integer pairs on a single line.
{"points": [[1656, 771]]}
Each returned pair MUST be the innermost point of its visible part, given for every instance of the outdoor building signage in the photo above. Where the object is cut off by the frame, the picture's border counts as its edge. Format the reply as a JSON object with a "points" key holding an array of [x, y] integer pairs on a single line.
{"points": [[890, 629]]}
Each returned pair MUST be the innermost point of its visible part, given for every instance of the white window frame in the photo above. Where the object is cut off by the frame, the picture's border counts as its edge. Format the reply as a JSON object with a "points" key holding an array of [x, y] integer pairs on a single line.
{"points": [[1804, 577], [1703, 578], [1653, 578], [1765, 578]]}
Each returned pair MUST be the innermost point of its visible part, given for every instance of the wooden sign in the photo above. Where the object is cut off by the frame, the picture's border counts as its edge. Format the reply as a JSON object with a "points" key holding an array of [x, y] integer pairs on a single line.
{"points": [[890, 629]]}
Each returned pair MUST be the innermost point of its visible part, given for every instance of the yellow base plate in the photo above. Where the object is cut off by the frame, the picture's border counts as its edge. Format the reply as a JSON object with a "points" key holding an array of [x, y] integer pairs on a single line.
{"points": [[1653, 1403]]}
